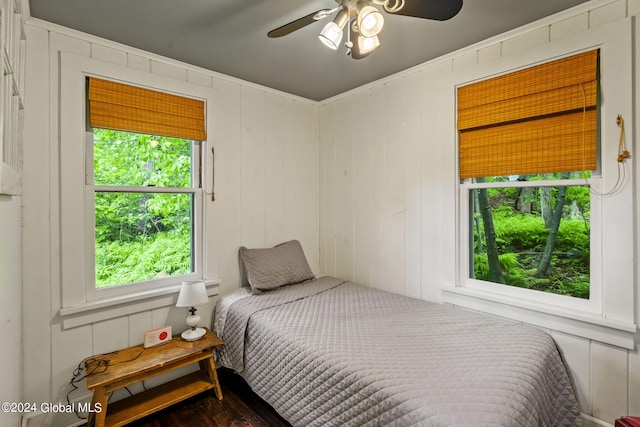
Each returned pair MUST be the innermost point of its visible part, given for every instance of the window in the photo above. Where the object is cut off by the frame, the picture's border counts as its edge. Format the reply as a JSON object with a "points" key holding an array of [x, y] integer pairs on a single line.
{"points": [[144, 212], [144, 182], [527, 149], [532, 232], [609, 314], [149, 108]]}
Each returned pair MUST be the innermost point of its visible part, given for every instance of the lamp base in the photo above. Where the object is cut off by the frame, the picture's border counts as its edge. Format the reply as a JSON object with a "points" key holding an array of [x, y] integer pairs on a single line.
{"points": [[193, 334]]}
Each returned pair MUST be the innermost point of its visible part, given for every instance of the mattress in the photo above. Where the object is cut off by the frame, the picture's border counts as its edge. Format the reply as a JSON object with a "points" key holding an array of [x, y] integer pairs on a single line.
{"points": [[329, 352]]}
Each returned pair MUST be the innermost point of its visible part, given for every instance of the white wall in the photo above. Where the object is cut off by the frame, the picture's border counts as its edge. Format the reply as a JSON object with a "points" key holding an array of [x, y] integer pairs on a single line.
{"points": [[388, 189], [267, 191], [10, 305]]}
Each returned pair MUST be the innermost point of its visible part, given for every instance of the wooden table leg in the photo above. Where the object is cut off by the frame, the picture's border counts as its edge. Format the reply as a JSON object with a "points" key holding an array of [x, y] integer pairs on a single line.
{"points": [[210, 368], [100, 400]]}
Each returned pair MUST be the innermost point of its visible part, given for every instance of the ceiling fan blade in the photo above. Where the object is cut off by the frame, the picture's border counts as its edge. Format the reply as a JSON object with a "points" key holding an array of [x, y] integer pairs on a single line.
{"points": [[439, 10], [298, 23]]}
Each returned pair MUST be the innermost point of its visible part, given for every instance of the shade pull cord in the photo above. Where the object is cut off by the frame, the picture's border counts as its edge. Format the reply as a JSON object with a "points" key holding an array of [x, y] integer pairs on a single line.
{"points": [[622, 155], [622, 145], [213, 175]]}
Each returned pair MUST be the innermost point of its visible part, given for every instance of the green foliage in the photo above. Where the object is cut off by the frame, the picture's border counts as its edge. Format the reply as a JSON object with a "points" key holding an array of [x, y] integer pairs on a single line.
{"points": [[508, 262], [161, 255], [581, 196], [517, 232], [141, 235], [480, 266], [131, 159], [573, 236], [521, 238]]}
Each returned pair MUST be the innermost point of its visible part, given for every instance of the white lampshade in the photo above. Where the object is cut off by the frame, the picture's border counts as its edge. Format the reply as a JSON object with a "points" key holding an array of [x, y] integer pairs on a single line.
{"points": [[192, 294], [370, 20], [331, 34], [364, 46]]}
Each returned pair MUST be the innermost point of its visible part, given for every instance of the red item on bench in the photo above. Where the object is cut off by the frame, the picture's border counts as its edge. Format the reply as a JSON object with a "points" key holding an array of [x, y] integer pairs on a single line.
{"points": [[628, 422]]}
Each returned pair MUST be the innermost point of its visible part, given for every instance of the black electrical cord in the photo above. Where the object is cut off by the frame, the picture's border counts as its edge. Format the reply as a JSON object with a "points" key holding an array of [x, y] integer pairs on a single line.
{"points": [[95, 365]]}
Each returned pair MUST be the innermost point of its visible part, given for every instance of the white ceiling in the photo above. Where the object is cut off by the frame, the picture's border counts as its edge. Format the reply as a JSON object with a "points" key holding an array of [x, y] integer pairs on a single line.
{"points": [[230, 36]]}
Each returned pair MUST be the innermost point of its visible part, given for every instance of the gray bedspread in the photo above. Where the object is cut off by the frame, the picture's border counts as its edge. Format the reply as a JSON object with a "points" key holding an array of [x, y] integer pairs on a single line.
{"points": [[333, 353]]}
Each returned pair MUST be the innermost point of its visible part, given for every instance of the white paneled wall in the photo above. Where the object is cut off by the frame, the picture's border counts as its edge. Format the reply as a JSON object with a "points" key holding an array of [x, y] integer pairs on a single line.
{"points": [[266, 191], [388, 188], [380, 180], [10, 305]]}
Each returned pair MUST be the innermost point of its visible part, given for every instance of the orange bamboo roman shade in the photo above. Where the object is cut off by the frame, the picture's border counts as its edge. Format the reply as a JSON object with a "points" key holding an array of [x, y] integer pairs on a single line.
{"points": [[133, 109], [537, 120]]}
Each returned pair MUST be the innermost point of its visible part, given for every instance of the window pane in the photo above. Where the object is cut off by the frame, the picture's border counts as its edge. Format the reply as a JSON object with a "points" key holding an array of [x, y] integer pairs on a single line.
{"points": [[133, 159], [142, 236], [532, 237]]}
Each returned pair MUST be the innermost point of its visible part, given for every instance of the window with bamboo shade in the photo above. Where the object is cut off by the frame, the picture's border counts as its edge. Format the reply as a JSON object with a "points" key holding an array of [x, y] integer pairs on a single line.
{"points": [[128, 108], [533, 121], [527, 140], [145, 172]]}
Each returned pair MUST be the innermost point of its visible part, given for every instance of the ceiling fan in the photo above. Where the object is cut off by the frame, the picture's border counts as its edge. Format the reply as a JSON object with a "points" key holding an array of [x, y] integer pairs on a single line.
{"points": [[364, 21]]}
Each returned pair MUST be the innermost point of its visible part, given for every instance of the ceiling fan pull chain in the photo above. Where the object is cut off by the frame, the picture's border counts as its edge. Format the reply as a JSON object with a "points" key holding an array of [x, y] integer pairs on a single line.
{"points": [[349, 43]]}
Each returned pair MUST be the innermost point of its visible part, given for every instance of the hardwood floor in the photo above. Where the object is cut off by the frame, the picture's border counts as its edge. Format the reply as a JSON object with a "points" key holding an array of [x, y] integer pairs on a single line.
{"points": [[240, 407]]}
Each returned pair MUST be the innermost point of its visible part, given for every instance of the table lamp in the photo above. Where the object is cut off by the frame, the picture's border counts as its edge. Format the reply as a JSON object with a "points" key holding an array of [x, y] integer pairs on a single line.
{"points": [[191, 295]]}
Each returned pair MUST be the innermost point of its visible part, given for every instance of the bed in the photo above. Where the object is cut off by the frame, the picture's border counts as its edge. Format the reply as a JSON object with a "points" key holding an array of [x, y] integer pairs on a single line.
{"points": [[329, 352]]}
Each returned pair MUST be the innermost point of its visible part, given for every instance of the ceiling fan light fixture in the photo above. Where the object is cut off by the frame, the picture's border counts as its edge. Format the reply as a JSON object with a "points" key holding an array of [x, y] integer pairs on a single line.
{"points": [[370, 20], [368, 44], [363, 46], [331, 34]]}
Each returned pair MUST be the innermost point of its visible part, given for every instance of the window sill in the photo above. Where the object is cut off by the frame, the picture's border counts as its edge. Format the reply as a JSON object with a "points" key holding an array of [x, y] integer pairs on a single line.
{"points": [[96, 311], [586, 325]]}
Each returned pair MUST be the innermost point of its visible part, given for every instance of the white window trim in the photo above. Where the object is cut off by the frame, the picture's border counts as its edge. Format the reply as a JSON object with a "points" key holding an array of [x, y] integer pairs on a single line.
{"points": [[609, 316], [593, 327], [76, 255], [124, 305], [197, 217], [590, 306]]}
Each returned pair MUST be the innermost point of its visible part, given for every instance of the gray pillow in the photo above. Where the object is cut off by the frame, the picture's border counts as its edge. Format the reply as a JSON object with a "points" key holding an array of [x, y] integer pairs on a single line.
{"points": [[271, 268]]}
